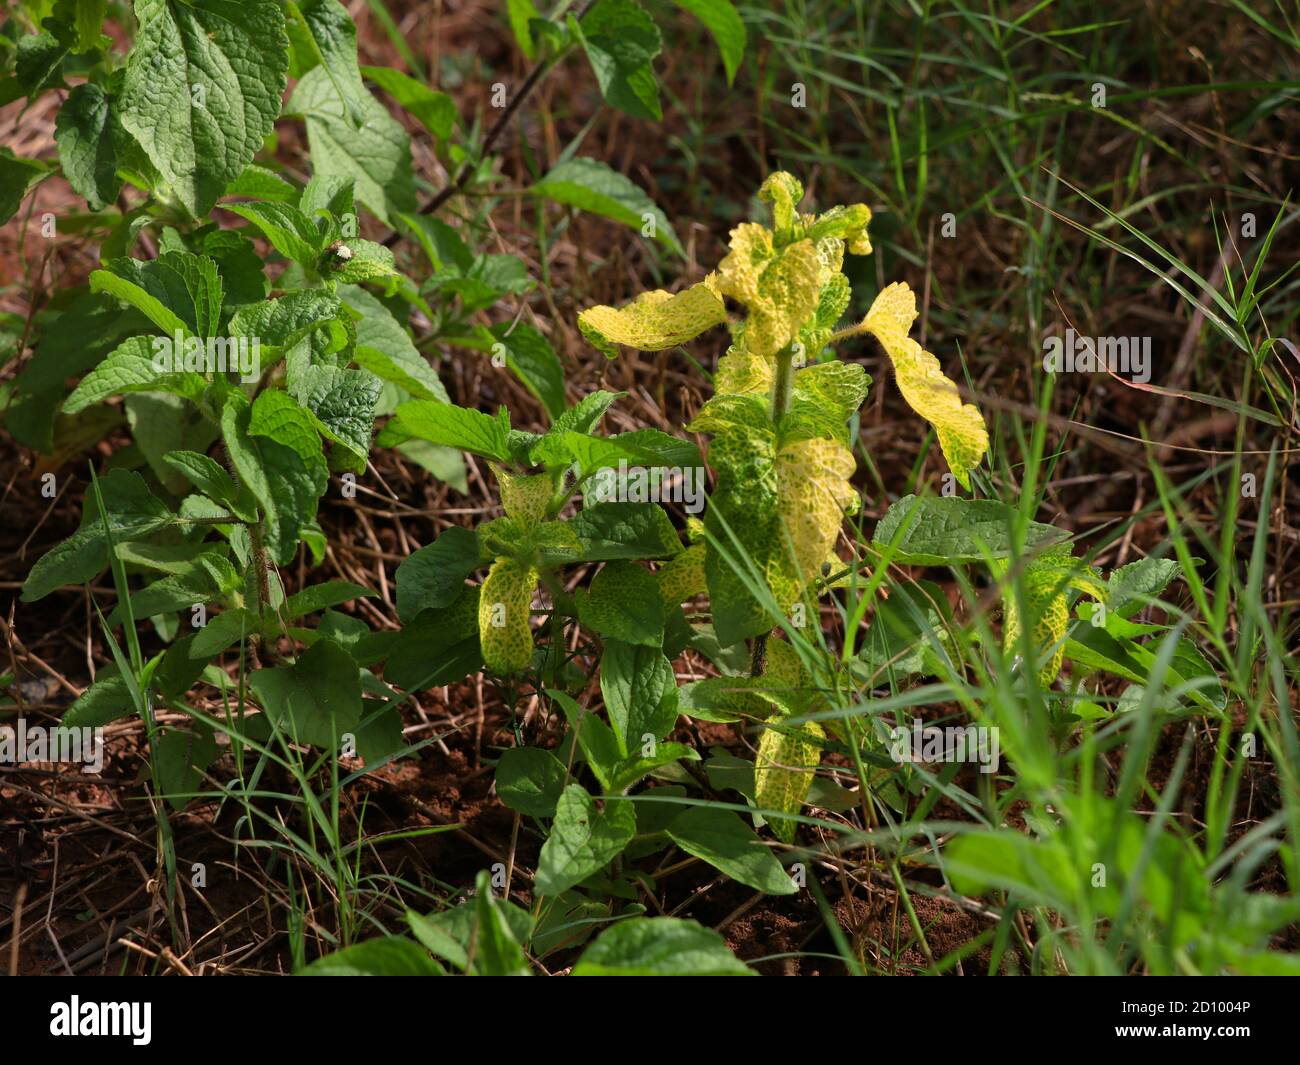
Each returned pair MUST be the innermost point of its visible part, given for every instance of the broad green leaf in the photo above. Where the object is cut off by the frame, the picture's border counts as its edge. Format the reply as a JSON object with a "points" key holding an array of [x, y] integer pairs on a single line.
{"points": [[130, 368], [660, 946], [1130, 586], [584, 839], [375, 153], [132, 511], [179, 757], [179, 292], [722, 839], [450, 426], [259, 183], [317, 699], [385, 349], [505, 603], [521, 13], [599, 745], [624, 604], [531, 358], [282, 323], [654, 320], [784, 768], [648, 449], [435, 575], [723, 22], [358, 260], [202, 90], [530, 780], [942, 530], [322, 596], [621, 41], [276, 452], [385, 956], [640, 693], [551, 448], [590, 185], [342, 404], [333, 37], [222, 631], [435, 111], [84, 135], [609, 531], [17, 178], [162, 423], [630, 770], [959, 426], [291, 233], [439, 646]]}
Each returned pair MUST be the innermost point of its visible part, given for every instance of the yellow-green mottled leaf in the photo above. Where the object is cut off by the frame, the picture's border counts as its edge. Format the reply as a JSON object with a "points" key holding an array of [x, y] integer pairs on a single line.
{"points": [[783, 191], [682, 578], [742, 373], [654, 320], [524, 496], [503, 610], [783, 772], [1044, 582], [813, 492]]}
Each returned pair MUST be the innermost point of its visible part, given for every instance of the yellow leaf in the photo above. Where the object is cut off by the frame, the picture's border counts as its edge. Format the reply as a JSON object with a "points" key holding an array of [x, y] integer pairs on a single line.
{"points": [[654, 320], [959, 426]]}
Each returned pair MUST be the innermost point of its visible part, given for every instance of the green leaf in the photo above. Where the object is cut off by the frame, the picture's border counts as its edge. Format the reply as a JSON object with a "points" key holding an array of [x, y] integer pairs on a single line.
{"points": [[317, 699], [322, 596], [530, 780], [455, 934], [222, 631], [624, 603], [276, 452], [17, 178], [660, 946], [722, 839], [640, 693], [630, 770], [291, 233], [202, 90], [179, 758], [621, 41], [83, 132], [521, 14], [342, 404], [439, 646], [179, 292], [132, 513], [450, 426], [39, 59], [624, 530], [434, 576], [531, 358], [333, 37], [590, 185], [385, 349], [941, 530], [281, 324], [435, 111], [1129, 587], [375, 152], [596, 739], [130, 368], [723, 22], [259, 183], [386, 956], [584, 839]]}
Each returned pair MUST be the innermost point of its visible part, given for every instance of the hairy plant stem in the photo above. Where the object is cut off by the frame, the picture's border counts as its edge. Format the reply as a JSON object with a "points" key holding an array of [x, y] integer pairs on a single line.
{"points": [[782, 390]]}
